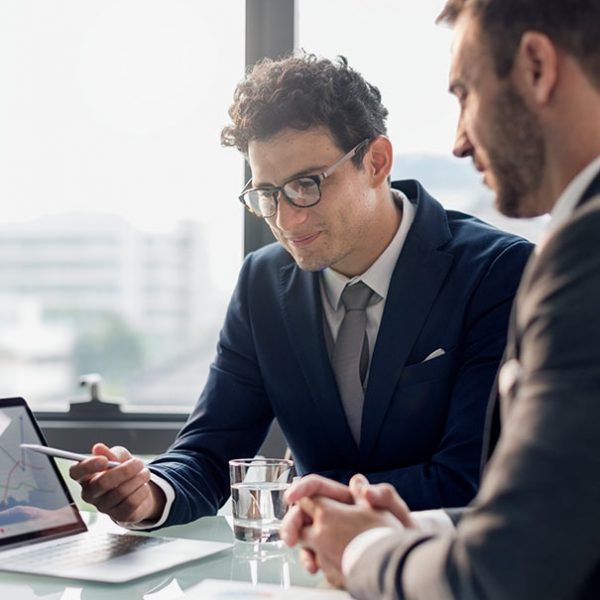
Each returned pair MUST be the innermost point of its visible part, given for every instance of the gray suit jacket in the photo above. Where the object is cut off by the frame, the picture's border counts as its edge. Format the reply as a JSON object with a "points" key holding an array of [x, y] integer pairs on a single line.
{"points": [[533, 531]]}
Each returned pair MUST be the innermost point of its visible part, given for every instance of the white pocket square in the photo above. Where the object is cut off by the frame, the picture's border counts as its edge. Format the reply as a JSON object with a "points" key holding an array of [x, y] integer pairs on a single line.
{"points": [[435, 354]]}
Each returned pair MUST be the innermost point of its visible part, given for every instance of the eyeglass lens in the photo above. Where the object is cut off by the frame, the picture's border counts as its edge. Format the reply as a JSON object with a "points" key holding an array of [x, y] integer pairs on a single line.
{"points": [[301, 192]]}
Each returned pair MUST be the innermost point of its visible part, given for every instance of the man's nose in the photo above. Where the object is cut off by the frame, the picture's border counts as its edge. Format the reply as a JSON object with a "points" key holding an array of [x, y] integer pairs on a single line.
{"points": [[463, 147], [288, 215]]}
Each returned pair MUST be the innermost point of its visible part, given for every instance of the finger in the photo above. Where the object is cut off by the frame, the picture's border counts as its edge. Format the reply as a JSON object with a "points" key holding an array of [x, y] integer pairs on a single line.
{"points": [[357, 485], [121, 453], [293, 522], [384, 496], [309, 506], [104, 482], [114, 497], [357, 482], [83, 470], [134, 507], [308, 539], [118, 453], [316, 485], [98, 461], [309, 560]]}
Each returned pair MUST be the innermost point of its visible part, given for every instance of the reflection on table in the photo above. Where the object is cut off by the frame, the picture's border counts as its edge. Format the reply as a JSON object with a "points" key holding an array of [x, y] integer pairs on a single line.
{"points": [[267, 563]]}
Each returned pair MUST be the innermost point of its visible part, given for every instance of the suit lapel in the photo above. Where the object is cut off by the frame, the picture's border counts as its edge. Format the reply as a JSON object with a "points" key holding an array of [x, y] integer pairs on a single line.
{"points": [[592, 190], [303, 314], [417, 278], [493, 418]]}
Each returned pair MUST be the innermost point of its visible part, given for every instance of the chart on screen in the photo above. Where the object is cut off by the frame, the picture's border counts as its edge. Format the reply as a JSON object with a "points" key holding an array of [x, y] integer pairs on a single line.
{"points": [[28, 488]]}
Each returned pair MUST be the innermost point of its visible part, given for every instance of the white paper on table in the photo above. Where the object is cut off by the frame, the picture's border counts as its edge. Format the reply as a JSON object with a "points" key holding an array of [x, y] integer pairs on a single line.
{"points": [[218, 589]]}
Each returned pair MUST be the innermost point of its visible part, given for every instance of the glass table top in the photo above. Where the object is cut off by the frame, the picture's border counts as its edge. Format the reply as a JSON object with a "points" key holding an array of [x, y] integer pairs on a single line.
{"points": [[267, 563]]}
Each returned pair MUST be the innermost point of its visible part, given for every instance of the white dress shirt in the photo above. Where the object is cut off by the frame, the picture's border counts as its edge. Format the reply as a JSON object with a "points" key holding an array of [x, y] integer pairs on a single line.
{"points": [[434, 521], [568, 200], [437, 521]]}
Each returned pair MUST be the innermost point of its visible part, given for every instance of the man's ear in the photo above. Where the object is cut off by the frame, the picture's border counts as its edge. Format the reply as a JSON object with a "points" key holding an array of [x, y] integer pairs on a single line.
{"points": [[378, 160], [536, 67]]}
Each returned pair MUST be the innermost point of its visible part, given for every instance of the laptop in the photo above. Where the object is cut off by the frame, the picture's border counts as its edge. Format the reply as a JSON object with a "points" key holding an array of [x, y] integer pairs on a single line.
{"points": [[42, 532]]}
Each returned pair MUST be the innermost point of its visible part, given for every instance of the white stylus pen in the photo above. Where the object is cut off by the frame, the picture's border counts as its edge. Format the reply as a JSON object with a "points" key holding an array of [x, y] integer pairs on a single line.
{"points": [[63, 453]]}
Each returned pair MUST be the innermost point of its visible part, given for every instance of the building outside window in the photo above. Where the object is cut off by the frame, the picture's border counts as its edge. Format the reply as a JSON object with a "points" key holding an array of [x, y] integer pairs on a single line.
{"points": [[120, 230]]}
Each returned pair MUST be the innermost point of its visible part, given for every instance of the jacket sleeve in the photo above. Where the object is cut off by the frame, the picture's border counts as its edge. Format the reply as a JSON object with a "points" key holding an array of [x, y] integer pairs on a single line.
{"points": [[230, 419], [533, 531], [450, 478]]}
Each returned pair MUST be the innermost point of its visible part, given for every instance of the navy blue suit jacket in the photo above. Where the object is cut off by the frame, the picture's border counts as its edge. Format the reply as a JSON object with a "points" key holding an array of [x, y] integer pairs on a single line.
{"points": [[452, 288]]}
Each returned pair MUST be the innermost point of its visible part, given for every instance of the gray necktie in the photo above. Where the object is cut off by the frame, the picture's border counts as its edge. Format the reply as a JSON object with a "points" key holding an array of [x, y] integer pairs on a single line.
{"points": [[350, 357]]}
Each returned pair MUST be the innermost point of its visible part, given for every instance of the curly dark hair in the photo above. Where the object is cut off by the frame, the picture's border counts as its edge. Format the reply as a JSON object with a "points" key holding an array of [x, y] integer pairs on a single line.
{"points": [[571, 24], [300, 92]]}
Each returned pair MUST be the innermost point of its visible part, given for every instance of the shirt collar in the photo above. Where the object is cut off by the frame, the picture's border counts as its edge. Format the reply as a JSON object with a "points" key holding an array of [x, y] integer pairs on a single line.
{"points": [[379, 274], [571, 195]]}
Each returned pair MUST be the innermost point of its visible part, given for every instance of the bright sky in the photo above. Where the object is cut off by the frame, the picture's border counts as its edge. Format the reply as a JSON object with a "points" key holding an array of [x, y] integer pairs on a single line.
{"points": [[117, 106], [397, 46]]}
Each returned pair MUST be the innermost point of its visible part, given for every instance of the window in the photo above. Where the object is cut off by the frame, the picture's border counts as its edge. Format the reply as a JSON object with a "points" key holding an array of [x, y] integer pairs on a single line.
{"points": [[120, 229], [397, 46]]}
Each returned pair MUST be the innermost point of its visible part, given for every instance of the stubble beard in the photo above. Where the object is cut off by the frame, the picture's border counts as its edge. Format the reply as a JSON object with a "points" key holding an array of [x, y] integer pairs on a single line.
{"points": [[517, 156], [309, 261]]}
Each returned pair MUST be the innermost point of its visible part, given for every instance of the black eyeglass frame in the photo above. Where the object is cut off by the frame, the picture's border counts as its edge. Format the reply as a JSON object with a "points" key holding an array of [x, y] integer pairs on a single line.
{"points": [[274, 191]]}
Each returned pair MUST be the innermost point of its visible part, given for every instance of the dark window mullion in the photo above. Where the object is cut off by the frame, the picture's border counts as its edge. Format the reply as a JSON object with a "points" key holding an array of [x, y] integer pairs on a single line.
{"points": [[270, 26]]}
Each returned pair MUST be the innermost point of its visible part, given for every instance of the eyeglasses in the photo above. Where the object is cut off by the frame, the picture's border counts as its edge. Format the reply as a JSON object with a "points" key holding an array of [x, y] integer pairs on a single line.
{"points": [[301, 192]]}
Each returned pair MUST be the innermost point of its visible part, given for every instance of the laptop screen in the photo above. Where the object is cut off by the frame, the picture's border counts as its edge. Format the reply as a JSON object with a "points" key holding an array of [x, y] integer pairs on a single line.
{"points": [[34, 500]]}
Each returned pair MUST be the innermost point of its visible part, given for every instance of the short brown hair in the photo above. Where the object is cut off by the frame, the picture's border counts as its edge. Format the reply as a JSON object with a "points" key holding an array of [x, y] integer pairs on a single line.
{"points": [[300, 92], [572, 25]]}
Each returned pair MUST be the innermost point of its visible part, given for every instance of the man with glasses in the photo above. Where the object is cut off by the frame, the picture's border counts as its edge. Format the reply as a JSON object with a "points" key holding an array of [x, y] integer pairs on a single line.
{"points": [[372, 331]]}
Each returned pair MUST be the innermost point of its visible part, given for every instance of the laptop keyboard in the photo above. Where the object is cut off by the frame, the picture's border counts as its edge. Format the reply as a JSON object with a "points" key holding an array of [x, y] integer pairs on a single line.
{"points": [[83, 551]]}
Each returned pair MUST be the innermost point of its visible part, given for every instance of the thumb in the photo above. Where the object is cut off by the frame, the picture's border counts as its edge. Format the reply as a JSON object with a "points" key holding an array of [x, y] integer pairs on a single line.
{"points": [[358, 485], [118, 453], [384, 497]]}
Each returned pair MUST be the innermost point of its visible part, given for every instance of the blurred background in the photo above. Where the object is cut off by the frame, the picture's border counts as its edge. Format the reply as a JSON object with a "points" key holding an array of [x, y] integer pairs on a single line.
{"points": [[120, 231]]}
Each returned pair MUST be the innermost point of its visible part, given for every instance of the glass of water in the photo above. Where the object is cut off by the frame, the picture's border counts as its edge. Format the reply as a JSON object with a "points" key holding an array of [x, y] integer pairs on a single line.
{"points": [[257, 488]]}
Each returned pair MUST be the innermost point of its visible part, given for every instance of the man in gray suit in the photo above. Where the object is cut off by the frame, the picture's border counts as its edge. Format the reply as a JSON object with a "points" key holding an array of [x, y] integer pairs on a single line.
{"points": [[527, 76]]}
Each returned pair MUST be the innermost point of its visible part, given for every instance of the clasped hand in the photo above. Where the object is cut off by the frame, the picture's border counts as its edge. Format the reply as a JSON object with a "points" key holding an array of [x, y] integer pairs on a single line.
{"points": [[325, 516]]}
